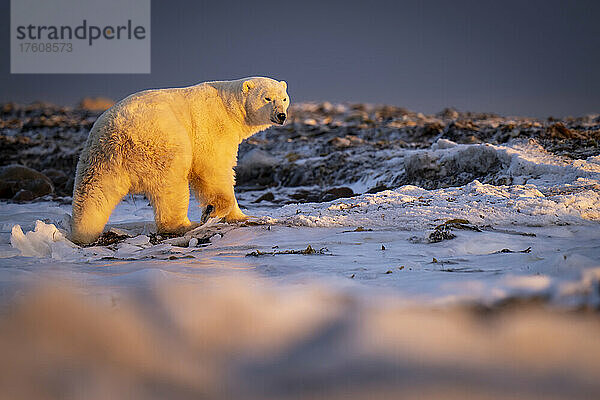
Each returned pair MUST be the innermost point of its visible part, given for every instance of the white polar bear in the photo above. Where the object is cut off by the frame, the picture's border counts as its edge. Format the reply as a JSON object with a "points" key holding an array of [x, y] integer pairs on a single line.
{"points": [[159, 142]]}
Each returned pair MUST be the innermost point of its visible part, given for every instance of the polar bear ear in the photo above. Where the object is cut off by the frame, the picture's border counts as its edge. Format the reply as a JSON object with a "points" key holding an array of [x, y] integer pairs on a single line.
{"points": [[247, 85], [284, 84]]}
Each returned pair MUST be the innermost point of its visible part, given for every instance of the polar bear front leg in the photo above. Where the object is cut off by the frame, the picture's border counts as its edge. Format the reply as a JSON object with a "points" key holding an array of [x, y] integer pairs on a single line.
{"points": [[219, 194], [236, 214], [214, 187], [221, 199]]}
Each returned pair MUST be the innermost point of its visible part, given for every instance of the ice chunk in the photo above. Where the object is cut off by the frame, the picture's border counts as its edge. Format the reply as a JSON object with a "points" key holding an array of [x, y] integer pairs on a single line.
{"points": [[127, 251], [44, 241], [140, 240]]}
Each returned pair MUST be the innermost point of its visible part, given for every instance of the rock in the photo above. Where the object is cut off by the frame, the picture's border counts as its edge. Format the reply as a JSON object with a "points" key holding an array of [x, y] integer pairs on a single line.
{"points": [[256, 166], [355, 140], [63, 183], [305, 196], [390, 112], [326, 107], [257, 158], [269, 196], [23, 195], [340, 142], [59, 178], [462, 131], [337, 193], [448, 113], [312, 196], [560, 131], [6, 190], [15, 178], [471, 139], [431, 130], [377, 189]]}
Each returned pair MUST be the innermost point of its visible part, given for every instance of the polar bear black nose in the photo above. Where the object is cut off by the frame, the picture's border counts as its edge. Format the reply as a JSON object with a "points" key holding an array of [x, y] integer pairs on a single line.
{"points": [[281, 117]]}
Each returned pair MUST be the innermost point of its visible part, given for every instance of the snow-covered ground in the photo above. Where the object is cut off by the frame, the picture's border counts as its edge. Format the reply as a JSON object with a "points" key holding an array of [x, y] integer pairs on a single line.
{"points": [[536, 238], [370, 295]]}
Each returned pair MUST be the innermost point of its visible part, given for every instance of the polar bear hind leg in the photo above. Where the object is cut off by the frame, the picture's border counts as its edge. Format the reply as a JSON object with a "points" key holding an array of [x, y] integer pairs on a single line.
{"points": [[93, 202]]}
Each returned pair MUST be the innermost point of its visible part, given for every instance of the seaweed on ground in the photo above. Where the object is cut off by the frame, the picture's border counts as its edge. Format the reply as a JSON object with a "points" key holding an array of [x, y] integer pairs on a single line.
{"points": [[308, 251], [444, 231]]}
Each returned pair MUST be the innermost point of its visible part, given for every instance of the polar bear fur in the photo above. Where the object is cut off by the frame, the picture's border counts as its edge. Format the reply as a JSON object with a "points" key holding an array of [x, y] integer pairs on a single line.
{"points": [[160, 142]]}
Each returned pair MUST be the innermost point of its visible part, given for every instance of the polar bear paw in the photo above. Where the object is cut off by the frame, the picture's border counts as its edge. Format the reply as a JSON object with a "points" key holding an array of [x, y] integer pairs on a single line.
{"points": [[236, 216]]}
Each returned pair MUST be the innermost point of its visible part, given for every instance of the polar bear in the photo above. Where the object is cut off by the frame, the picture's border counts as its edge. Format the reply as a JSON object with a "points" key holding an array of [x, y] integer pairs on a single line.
{"points": [[160, 142]]}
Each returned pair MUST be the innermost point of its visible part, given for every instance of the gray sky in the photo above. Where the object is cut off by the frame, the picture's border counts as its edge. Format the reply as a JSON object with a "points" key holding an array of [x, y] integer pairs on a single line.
{"points": [[537, 58]]}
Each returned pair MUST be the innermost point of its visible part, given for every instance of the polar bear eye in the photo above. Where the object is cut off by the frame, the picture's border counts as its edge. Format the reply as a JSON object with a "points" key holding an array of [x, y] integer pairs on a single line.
{"points": [[267, 98], [284, 99]]}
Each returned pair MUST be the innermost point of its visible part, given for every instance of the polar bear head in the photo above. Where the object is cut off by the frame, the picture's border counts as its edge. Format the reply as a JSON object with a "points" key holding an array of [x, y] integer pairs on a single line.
{"points": [[266, 101]]}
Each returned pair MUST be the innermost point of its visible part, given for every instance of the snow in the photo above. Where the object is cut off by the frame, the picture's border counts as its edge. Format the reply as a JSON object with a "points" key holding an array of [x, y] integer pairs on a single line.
{"points": [[546, 190], [245, 298], [554, 210], [410, 207]]}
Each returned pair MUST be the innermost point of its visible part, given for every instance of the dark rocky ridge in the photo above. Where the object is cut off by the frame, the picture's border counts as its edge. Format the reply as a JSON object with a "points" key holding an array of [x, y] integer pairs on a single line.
{"points": [[323, 145]]}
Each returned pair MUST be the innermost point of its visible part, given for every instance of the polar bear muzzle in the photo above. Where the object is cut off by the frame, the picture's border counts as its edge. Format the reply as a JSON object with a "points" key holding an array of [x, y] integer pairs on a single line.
{"points": [[279, 118]]}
